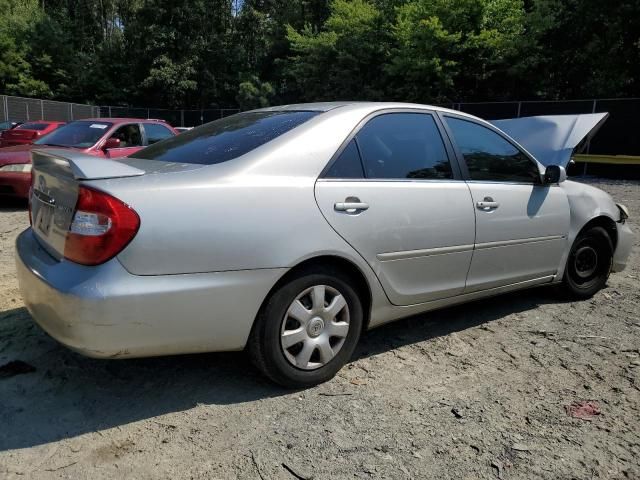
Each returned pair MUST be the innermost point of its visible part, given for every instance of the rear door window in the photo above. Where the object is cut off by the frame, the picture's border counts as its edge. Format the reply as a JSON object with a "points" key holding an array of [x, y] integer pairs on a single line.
{"points": [[403, 145], [348, 164], [225, 139]]}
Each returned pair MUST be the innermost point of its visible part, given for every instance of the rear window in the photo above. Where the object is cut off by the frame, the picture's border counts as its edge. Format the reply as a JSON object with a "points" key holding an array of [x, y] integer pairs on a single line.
{"points": [[32, 126], [81, 134], [225, 139]]}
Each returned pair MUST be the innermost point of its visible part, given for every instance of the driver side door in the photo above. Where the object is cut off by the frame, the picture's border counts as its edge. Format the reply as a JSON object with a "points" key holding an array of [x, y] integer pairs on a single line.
{"points": [[522, 225]]}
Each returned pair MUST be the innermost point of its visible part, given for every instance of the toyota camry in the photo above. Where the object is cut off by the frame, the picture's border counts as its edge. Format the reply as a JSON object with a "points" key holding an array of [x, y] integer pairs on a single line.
{"points": [[289, 231]]}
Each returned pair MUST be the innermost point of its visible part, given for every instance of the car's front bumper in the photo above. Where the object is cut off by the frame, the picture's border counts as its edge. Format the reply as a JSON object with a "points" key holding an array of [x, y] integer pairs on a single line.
{"points": [[15, 184], [107, 312], [623, 247]]}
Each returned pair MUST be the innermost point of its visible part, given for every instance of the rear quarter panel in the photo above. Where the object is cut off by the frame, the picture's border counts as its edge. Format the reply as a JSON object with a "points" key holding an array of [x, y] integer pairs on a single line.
{"points": [[257, 211]]}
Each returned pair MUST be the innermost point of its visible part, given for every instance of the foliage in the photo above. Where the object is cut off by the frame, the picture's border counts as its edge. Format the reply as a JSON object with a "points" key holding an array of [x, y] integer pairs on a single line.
{"points": [[343, 60], [254, 94], [17, 19], [206, 53]]}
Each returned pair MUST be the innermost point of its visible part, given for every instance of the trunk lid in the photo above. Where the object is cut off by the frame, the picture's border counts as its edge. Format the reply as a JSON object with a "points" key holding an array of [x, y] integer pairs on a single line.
{"points": [[19, 135], [57, 175]]}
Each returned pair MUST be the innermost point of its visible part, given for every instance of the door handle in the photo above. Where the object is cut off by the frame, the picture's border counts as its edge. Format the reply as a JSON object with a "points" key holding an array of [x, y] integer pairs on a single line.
{"points": [[487, 204], [352, 205]]}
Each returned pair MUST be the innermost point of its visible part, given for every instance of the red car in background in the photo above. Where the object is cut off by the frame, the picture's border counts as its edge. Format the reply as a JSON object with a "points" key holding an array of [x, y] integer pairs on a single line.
{"points": [[101, 137], [8, 125], [27, 133]]}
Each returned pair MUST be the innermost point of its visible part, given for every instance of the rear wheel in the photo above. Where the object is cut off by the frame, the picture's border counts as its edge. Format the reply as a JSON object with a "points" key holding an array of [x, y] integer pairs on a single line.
{"points": [[308, 329], [589, 263]]}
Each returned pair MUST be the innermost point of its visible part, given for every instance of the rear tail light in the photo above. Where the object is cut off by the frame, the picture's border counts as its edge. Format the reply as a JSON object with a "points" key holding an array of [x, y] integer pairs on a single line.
{"points": [[101, 227]]}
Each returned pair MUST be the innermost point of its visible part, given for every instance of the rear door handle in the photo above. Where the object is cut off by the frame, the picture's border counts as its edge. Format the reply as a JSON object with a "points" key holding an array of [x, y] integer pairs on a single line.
{"points": [[487, 204], [351, 207]]}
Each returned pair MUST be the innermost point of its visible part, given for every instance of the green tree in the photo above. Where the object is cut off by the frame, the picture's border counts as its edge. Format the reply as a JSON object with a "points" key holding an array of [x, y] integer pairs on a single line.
{"points": [[16, 21], [344, 59], [208, 53], [253, 93], [456, 49], [586, 48]]}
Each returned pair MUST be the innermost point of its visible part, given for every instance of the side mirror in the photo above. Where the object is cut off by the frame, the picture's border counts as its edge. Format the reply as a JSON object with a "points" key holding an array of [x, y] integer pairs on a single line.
{"points": [[111, 143], [554, 174]]}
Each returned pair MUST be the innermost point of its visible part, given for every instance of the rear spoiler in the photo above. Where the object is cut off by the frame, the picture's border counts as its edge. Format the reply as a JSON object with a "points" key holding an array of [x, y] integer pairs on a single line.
{"points": [[552, 139], [83, 166]]}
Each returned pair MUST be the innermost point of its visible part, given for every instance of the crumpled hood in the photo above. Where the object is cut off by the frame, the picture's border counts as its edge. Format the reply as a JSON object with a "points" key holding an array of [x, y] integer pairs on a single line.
{"points": [[552, 139]]}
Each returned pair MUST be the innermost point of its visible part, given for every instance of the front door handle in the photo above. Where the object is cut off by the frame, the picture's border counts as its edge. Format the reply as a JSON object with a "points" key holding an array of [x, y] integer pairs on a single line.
{"points": [[487, 204], [351, 205]]}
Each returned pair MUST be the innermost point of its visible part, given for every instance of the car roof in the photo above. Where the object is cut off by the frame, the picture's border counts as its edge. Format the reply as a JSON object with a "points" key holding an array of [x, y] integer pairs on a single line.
{"points": [[372, 106]]}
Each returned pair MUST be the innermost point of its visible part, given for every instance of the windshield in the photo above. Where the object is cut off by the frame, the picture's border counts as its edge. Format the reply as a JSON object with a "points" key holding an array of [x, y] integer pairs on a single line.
{"points": [[225, 139], [82, 134]]}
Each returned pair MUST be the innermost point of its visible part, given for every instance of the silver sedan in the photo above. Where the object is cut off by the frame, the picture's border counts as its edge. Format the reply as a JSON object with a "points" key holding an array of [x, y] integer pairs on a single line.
{"points": [[289, 231]]}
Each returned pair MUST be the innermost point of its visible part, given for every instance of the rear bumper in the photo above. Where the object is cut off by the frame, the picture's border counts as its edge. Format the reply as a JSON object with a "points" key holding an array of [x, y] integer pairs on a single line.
{"points": [[15, 184], [106, 312], [623, 247]]}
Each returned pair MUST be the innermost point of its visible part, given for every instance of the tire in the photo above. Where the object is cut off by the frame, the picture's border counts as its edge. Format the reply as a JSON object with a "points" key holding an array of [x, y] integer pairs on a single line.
{"points": [[589, 264], [273, 344]]}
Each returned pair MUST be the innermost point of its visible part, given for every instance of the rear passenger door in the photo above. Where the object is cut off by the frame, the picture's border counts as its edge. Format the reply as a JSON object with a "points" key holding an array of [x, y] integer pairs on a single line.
{"points": [[394, 192]]}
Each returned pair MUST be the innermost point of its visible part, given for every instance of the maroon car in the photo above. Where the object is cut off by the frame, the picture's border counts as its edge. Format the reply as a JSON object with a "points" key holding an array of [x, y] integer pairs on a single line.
{"points": [[102, 137], [27, 133]]}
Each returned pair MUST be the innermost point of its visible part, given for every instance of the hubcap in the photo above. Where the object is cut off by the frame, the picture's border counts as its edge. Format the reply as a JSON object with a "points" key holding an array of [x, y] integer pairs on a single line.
{"points": [[315, 327], [586, 261]]}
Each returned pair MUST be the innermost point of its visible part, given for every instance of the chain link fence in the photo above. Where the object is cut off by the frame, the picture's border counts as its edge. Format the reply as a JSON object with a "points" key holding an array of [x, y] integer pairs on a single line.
{"points": [[618, 136], [177, 118], [19, 109]]}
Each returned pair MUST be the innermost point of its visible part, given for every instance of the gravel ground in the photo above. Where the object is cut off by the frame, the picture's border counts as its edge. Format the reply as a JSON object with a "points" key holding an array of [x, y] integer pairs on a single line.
{"points": [[476, 391]]}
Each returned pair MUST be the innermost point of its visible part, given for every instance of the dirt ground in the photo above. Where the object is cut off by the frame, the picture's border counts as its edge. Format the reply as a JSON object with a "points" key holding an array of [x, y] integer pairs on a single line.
{"points": [[476, 391]]}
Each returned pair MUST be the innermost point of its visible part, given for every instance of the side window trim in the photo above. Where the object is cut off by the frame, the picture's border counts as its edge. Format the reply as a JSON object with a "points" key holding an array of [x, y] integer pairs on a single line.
{"points": [[460, 157], [359, 150], [143, 139], [143, 133], [448, 145]]}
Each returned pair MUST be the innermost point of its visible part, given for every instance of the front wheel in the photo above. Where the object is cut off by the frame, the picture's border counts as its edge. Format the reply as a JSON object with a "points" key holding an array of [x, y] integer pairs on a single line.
{"points": [[589, 263], [308, 329]]}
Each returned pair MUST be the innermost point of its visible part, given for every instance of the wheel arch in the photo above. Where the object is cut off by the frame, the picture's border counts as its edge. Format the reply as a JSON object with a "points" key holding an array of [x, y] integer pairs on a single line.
{"points": [[605, 222], [344, 265]]}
